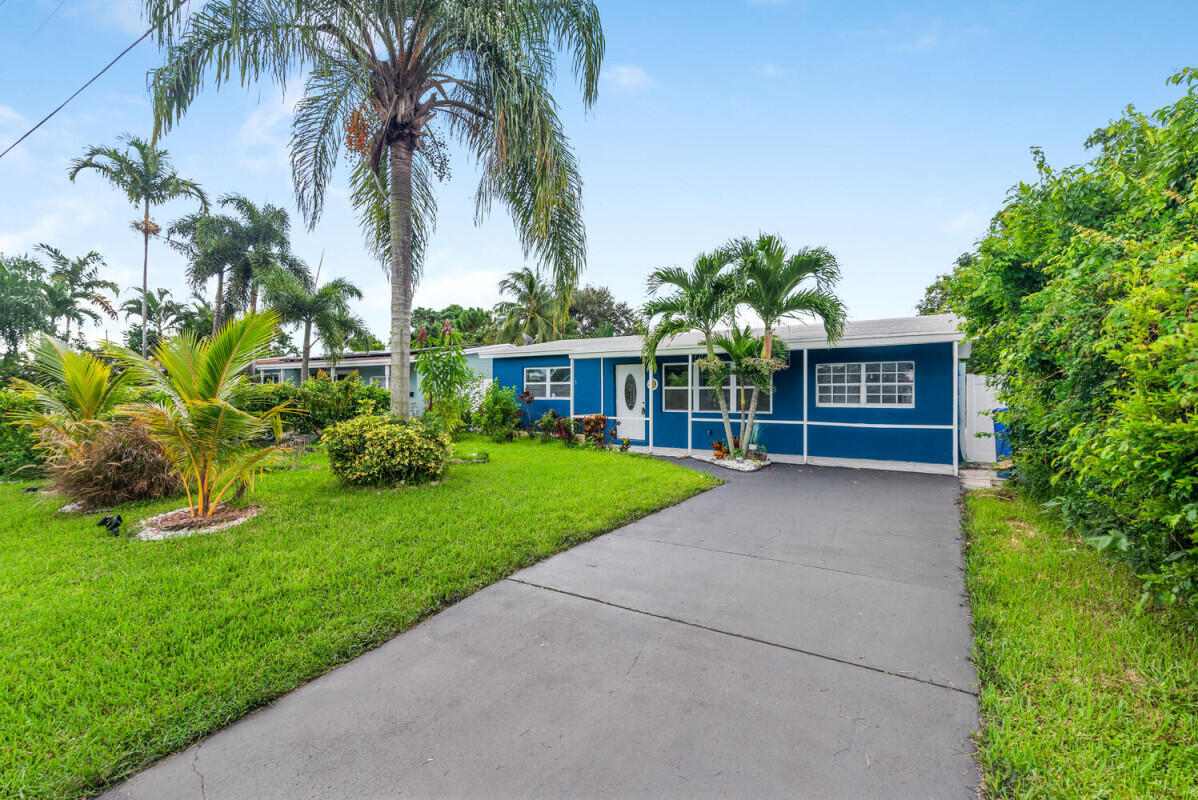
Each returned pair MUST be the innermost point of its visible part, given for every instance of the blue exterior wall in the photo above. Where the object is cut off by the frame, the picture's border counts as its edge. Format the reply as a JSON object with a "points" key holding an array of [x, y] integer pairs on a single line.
{"points": [[881, 434]]}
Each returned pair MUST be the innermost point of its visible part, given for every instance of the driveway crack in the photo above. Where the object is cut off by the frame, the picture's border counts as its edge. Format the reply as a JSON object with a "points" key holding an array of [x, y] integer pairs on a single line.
{"points": [[747, 638], [196, 770]]}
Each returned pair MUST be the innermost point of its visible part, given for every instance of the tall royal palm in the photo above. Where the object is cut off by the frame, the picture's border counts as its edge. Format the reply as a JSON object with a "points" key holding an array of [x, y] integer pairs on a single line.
{"points": [[779, 284], [320, 309], [394, 80], [80, 286], [533, 311], [144, 173], [700, 300]]}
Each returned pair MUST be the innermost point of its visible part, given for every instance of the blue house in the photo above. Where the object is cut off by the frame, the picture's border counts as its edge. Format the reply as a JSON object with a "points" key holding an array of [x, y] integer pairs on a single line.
{"points": [[885, 396]]}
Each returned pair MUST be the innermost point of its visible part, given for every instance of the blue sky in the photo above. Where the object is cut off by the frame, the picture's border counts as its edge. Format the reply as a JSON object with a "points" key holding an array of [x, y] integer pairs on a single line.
{"points": [[889, 132]]}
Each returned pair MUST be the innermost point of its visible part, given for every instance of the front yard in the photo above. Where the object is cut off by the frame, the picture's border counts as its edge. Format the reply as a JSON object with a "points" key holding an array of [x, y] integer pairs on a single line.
{"points": [[116, 652], [1082, 695]]}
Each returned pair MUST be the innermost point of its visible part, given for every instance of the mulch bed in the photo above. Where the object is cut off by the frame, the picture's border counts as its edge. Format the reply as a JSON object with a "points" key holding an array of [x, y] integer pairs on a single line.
{"points": [[180, 523]]}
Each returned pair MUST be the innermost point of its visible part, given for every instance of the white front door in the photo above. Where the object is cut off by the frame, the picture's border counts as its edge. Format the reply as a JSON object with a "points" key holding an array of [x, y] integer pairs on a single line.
{"points": [[630, 401]]}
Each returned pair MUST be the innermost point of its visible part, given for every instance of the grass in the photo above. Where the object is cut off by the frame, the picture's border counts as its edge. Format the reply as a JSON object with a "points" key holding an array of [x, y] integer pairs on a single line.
{"points": [[1082, 695], [116, 652]]}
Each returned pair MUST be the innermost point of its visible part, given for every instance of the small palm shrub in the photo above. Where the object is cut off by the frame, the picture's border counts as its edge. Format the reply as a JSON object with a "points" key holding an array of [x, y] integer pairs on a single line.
{"points": [[118, 464], [19, 456], [500, 414], [386, 451], [210, 441]]}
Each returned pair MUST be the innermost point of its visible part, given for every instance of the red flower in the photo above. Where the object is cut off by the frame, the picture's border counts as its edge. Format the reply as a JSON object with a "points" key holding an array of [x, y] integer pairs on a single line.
{"points": [[422, 337]]}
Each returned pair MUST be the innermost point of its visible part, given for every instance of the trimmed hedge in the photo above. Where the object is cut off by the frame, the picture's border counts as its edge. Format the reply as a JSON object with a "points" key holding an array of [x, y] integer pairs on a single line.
{"points": [[386, 451], [322, 401]]}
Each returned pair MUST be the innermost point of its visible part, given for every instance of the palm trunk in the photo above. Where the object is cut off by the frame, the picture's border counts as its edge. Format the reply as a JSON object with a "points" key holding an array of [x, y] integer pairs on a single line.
{"points": [[400, 211], [720, 397], [67, 332], [767, 350], [218, 306], [307, 350], [145, 275]]}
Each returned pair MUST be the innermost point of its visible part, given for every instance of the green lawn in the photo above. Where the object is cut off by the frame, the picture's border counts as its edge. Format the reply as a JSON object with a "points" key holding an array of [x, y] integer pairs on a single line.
{"points": [[115, 652], [1082, 696]]}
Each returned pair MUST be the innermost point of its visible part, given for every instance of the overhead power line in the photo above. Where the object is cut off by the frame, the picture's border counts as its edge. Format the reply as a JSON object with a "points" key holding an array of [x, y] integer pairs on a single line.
{"points": [[76, 93]]}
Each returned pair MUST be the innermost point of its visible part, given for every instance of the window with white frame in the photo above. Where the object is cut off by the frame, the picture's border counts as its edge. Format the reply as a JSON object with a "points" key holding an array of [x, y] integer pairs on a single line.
{"points": [[548, 382], [675, 387], [866, 383], [680, 385]]}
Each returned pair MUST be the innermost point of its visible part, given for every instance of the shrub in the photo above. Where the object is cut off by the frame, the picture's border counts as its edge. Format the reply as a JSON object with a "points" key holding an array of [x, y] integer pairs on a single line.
{"points": [[445, 376], [594, 430], [1080, 303], [18, 455], [327, 402], [500, 413], [117, 464], [546, 426], [386, 451]]}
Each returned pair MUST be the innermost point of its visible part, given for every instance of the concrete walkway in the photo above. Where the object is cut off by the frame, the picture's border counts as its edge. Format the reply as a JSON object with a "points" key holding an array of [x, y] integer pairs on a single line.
{"points": [[798, 633]]}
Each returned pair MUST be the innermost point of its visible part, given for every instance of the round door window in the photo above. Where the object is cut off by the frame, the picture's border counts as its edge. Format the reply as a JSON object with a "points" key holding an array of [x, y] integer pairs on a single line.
{"points": [[630, 393]]}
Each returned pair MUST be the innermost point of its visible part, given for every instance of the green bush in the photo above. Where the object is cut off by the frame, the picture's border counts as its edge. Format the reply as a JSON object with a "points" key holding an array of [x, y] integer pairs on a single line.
{"points": [[1081, 301], [500, 414], [328, 402], [18, 457], [386, 451]]}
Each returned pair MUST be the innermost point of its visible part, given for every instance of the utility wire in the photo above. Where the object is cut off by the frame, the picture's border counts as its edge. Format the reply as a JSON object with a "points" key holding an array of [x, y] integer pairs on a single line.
{"points": [[38, 29], [76, 93]]}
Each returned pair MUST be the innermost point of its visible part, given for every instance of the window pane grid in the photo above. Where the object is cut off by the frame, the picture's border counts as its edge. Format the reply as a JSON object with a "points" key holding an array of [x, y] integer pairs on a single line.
{"points": [[551, 382], [869, 383]]}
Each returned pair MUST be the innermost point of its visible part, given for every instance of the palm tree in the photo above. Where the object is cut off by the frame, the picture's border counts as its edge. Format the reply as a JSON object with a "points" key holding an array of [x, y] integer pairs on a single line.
{"points": [[744, 352], [75, 393], [144, 173], [325, 308], [534, 312], [79, 282], [395, 79], [262, 237], [700, 301], [209, 441], [211, 247], [779, 284], [155, 308]]}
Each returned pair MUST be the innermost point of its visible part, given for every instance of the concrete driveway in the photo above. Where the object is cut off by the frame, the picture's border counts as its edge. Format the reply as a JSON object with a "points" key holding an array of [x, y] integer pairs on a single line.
{"points": [[797, 633]]}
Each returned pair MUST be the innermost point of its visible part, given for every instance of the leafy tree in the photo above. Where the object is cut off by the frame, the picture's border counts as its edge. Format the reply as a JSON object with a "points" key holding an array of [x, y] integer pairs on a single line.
{"points": [[395, 79], [699, 300], [80, 284], [777, 285], [208, 439], [474, 324], [1081, 306], [943, 294], [534, 311], [144, 173], [595, 312], [365, 342], [24, 306], [324, 309]]}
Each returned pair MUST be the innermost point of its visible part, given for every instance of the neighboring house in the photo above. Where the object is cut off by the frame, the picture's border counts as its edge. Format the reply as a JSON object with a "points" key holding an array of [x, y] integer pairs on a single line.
{"points": [[888, 395], [885, 396], [373, 367]]}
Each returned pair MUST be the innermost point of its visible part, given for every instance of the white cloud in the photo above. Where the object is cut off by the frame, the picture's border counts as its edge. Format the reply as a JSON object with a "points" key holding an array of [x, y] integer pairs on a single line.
{"points": [[261, 141], [965, 222], [627, 78]]}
